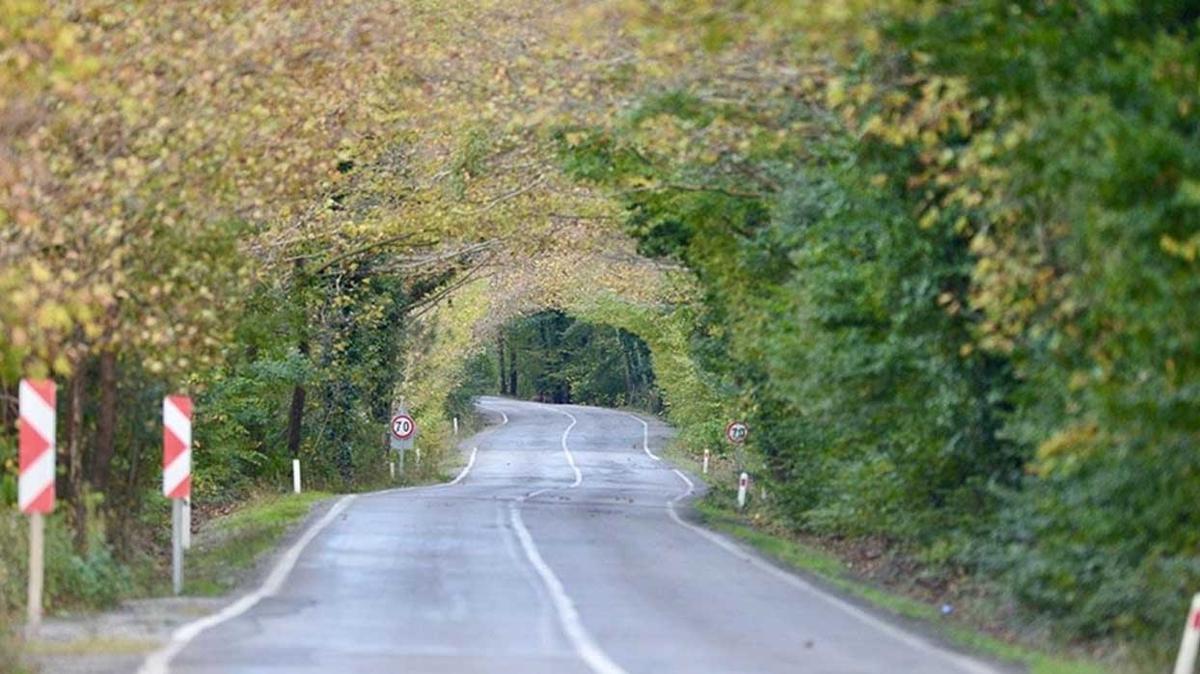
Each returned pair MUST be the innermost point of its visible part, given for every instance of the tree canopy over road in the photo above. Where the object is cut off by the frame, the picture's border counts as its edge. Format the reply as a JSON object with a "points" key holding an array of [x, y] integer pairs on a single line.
{"points": [[943, 257]]}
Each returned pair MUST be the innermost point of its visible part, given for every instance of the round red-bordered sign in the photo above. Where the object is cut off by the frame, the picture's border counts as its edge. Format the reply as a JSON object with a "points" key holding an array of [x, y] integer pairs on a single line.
{"points": [[736, 432], [403, 426]]}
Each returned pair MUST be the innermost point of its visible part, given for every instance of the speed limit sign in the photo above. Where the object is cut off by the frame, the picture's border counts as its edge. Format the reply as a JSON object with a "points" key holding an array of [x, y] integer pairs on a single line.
{"points": [[736, 432], [403, 427]]}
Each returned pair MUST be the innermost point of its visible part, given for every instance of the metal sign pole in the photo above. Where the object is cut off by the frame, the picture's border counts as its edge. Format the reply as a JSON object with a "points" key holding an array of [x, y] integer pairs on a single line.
{"points": [[186, 531], [37, 566], [177, 545]]}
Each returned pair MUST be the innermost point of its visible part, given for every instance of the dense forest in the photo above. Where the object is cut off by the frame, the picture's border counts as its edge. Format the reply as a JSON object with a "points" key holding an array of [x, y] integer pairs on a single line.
{"points": [[554, 358], [943, 257]]}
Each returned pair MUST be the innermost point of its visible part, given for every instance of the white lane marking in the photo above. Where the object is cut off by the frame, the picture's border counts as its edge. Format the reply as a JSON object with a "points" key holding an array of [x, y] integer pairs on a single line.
{"points": [[159, 661], [965, 663], [568, 615], [549, 636], [466, 469], [441, 485], [645, 436], [567, 452]]}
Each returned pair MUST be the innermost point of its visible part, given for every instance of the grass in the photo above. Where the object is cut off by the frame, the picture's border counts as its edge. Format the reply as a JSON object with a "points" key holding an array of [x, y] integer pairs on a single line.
{"points": [[11, 659], [93, 646], [832, 571], [230, 545]]}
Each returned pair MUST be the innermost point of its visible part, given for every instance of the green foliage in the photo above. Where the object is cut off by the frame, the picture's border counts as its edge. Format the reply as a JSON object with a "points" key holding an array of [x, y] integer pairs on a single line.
{"points": [[479, 378], [90, 579], [229, 545], [553, 357], [955, 316], [1102, 537]]}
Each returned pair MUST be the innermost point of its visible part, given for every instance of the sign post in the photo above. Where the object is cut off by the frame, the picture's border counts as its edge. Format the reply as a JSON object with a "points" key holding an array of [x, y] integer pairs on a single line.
{"points": [[403, 429], [736, 433], [177, 474], [35, 491]]}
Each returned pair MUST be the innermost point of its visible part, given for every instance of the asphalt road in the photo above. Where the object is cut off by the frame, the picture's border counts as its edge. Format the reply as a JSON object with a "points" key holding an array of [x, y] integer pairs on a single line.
{"points": [[565, 548]]}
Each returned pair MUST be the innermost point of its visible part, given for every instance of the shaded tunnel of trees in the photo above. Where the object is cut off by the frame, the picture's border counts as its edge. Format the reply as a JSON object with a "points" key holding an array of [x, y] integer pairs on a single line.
{"points": [[554, 358]]}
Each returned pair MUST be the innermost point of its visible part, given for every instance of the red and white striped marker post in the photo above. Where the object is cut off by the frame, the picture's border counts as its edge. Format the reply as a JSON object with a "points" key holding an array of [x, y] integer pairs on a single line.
{"points": [[743, 485], [1186, 662], [177, 474], [35, 490]]}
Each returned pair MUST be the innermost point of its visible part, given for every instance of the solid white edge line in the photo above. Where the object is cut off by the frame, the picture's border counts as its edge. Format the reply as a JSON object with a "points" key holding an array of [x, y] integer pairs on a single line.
{"points": [[466, 469], [645, 436], [966, 663], [503, 416], [159, 661], [441, 485], [568, 616]]}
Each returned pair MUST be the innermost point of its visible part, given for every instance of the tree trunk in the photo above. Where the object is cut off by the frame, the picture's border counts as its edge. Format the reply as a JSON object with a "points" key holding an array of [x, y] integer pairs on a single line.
{"points": [[627, 360], [296, 413], [106, 423], [75, 455], [512, 372], [503, 372]]}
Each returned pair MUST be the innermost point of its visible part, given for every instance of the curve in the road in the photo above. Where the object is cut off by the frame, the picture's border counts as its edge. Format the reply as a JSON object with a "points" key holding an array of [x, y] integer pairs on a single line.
{"points": [[525, 566]]}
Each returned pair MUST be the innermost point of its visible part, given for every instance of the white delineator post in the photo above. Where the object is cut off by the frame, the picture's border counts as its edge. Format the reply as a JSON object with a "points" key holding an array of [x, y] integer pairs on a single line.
{"points": [[456, 425], [296, 475], [35, 491], [743, 484], [704, 466], [1186, 662], [177, 474]]}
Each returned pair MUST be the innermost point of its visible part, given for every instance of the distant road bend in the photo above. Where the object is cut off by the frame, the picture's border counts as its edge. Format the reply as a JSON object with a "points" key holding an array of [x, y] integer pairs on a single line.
{"points": [[563, 549]]}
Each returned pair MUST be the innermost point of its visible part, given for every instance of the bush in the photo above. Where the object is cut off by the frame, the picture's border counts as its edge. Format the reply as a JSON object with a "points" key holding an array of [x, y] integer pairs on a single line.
{"points": [[94, 579]]}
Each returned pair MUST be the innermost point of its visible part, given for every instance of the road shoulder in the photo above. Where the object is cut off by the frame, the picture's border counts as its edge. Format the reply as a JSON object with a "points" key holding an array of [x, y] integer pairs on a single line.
{"points": [[231, 556]]}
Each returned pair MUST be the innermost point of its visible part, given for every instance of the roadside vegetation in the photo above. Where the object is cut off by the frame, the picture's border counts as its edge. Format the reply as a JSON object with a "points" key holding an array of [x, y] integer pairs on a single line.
{"points": [[945, 282], [941, 258]]}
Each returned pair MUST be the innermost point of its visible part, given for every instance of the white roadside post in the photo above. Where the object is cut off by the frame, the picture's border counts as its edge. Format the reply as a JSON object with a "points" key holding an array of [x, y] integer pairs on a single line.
{"points": [[177, 474], [456, 425], [1186, 662], [743, 484], [704, 467], [296, 475], [35, 490]]}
